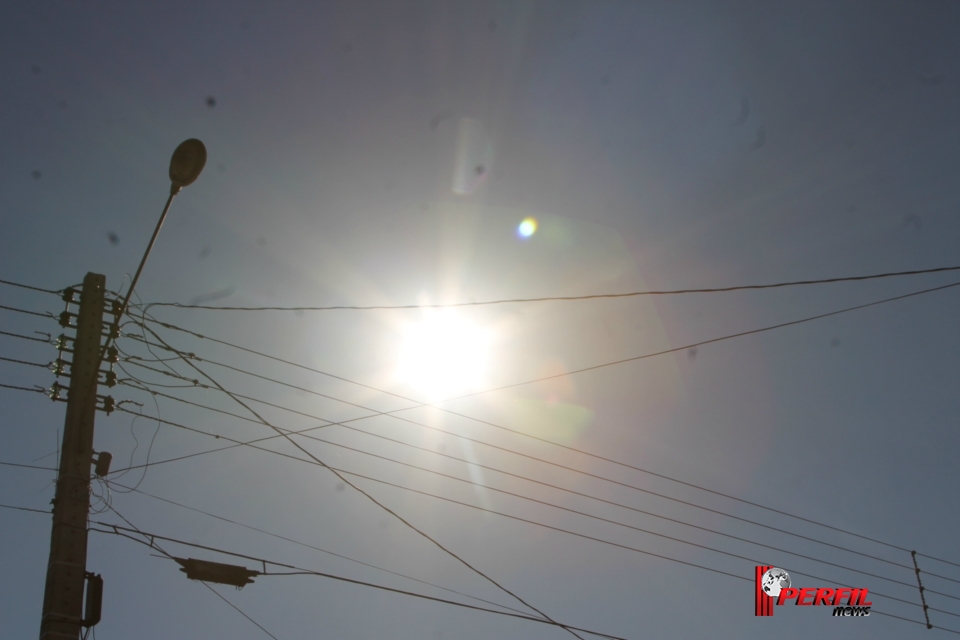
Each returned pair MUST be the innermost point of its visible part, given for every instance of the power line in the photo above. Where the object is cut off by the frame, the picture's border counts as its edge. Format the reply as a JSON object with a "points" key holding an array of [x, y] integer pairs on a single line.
{"points": [[424, 469], [116, 530], [10, 506], [358, 489], [907, 584], [705, 342], [22, 337], [26, 466], [303, 433], [630, 294], [595, 456], [576, 534], [237, 609], [344, 425], [10, 386], [310, 546], [615, 544], [561, 530], [26, 286], [32, 364], [32, 313], [338, 471], [154, 545]]}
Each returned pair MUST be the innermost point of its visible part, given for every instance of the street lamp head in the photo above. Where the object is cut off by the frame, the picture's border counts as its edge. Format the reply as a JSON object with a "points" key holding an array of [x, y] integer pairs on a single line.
{"points": [[187, 163]]}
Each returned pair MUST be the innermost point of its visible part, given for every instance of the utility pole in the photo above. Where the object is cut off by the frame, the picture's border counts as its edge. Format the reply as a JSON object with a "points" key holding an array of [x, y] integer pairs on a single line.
{"points": [[66, 569], [63, 610]]}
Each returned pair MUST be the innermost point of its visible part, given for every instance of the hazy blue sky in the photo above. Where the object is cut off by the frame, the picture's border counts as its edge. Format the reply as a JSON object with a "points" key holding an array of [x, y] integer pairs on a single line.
{"points": [[384, 153]]}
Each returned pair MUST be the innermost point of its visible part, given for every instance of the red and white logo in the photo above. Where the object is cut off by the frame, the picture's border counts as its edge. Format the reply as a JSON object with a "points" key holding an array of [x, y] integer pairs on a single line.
{"points": [[774, 585]]}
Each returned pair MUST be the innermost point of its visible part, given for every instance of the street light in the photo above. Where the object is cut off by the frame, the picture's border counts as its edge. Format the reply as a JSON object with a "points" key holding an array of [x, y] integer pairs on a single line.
{"points": [[187, 163], [185, 166], [63, 613]]}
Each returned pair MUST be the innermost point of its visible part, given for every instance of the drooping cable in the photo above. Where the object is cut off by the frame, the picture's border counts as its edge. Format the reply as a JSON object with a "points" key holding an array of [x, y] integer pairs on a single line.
{"points": [[313, 547], [154, 545], [598, 296], [119, 531]]}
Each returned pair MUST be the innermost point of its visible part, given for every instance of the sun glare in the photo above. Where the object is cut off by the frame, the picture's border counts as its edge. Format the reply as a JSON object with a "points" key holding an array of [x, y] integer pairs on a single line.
{"points": [[443, 355]]}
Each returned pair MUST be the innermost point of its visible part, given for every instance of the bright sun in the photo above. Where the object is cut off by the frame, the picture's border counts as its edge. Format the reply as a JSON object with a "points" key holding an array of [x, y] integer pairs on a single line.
{"points": [[443, 355]]}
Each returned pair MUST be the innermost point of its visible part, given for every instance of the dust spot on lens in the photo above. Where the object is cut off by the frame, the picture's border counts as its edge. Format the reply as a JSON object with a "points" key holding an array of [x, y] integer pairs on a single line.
{"points": [[113, 238], [744, 112], [913, 221]]}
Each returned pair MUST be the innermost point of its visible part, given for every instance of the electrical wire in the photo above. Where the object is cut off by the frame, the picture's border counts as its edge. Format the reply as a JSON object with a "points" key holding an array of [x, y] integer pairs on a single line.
{"points": [[153, 545], [541, 460], [27, 466], [137, 441], [32, 364], [22, 337], [615, 544], [310, 546], [26, 286], [239, 443], [237, 609], [705, 342], [32, 313], [595, 456], [673, 538], [10, 386], [116, 530], [358, 489], [630, 294], [10, 506], [482, 466]]}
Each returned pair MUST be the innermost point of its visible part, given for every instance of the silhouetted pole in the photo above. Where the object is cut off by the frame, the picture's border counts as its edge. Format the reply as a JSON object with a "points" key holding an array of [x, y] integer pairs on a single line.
{"points": [[66, 569]]}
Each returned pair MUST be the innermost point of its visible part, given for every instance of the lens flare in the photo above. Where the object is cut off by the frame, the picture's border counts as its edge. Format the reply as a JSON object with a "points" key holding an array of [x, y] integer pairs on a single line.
{"points": [[527, 228]]}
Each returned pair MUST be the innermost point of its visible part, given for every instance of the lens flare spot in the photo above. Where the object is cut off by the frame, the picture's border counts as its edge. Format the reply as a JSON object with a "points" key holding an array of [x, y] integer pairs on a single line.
{"points": [[527, 228]]}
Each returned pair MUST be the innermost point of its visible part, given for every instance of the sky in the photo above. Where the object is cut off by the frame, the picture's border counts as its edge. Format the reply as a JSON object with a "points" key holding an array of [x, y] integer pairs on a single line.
{"points": [[385, 154]]}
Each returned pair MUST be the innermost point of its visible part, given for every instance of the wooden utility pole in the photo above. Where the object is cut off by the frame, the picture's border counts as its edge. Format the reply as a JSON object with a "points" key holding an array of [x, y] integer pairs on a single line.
{"points": [[66, 569]]}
